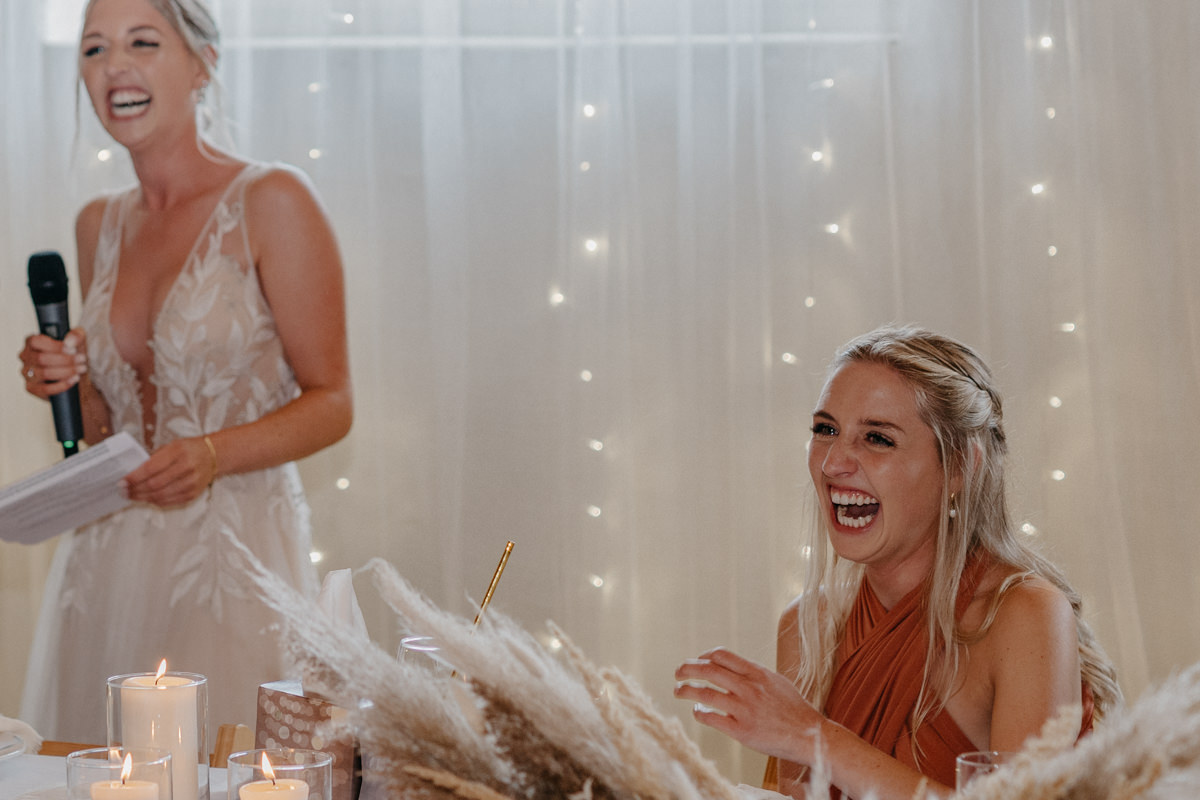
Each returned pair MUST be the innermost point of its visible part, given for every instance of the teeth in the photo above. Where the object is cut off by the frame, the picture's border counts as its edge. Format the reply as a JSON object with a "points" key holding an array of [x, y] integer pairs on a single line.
{"points": [[851, 498], [128, 97], [853, 522], [127, 102], [843, 499]]}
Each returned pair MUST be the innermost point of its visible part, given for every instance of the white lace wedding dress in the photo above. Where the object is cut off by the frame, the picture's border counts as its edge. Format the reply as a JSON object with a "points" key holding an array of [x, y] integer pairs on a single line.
{"points": [[146, 584]]}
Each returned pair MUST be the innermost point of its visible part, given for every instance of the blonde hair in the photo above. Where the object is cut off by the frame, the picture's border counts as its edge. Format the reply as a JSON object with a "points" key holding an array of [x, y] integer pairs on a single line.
{"points": [[957, 398]]}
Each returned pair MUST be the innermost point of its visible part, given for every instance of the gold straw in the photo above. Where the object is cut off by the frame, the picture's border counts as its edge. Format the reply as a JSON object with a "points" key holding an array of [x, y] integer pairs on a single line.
{"points": [[487, 598]]}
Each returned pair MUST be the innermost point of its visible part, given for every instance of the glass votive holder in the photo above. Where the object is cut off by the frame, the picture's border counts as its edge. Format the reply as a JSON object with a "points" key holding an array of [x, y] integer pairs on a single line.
{"points": [[167, 712], [97, 774], [289, 774]]}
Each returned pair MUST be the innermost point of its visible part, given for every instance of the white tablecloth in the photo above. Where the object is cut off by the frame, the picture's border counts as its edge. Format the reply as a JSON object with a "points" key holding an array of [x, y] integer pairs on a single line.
{"points": [[26, 777]]}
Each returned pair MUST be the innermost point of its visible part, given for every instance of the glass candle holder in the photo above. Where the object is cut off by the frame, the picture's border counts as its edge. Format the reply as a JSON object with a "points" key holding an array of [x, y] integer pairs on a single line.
{"points": [[289, 774], [96, 774], [166, 713]]}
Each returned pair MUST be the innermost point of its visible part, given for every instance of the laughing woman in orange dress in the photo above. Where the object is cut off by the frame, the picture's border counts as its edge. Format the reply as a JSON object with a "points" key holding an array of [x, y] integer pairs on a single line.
{"points": [[930, 627], [213, 331]]}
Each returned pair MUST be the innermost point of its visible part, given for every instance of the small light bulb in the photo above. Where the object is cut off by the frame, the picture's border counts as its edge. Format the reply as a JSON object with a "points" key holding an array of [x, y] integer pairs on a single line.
{"points": [[1050, 112], [809, 302], [104, 155], [343, 484], [1067, 327], [586, 376], [557, 298], [1051, 251], [827, 83], [1029, 530], [1056, 402], [316, 557], [314, 154], [584, 166], [591, 245], [817, 155], [1038, 188], [1058, 475], [314, 87], [596, 445], [596, 581], [832, 227], [1046, 42], [788, 358], [555, 644], [593, 511], [806, 551], [348, 19], [589, 110], [812, 24]]}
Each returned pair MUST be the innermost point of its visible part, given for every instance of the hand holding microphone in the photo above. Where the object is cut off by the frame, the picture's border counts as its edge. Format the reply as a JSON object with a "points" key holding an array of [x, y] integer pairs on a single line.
{"points": [[53, 361]]}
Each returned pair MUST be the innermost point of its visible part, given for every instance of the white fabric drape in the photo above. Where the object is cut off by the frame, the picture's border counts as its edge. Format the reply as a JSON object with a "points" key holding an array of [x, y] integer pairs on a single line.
{"points": [[594, 277]]}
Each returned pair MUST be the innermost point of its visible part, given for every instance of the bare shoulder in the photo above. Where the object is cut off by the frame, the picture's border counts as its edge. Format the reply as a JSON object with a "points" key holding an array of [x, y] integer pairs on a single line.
{"points": [[789, 619], [87, 234], [787, 640], [1032, 602], [1033, 621], [87, 221], [280, 188], [286, 222]]}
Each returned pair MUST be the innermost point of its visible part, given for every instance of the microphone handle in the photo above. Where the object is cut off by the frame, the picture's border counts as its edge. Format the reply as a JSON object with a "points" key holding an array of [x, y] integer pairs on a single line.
{"points": [[68, 419], [54, 321]]}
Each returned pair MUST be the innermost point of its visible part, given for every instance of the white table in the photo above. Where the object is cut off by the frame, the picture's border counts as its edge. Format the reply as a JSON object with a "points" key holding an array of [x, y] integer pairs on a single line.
{"points": [[45, 778]]}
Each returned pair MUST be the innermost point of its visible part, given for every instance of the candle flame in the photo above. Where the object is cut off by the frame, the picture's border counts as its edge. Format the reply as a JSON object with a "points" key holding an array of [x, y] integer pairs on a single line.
{"points": [[267, 770], [126, 768], [162, 670]]}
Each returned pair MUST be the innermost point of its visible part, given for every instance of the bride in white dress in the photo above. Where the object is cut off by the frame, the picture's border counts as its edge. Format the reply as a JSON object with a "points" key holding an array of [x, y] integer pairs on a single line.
{"points": [[213, 331]]}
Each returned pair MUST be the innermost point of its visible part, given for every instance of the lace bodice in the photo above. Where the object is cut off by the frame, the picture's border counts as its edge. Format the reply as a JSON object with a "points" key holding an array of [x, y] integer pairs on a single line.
{"points": [[218, 361]]}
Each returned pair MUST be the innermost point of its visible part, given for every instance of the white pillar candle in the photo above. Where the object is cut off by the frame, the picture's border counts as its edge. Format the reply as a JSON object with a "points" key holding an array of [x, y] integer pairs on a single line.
{"points": [[162, 715], [281, 789], [124, 790]]}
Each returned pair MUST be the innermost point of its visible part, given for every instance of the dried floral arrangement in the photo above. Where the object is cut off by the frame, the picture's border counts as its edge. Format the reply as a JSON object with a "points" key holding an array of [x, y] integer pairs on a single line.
{"points": [[514, 720], [531, 724]]}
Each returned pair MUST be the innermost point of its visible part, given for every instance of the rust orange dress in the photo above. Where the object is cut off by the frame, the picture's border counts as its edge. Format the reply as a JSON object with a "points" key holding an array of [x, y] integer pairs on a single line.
{"points": [[881, 663]]}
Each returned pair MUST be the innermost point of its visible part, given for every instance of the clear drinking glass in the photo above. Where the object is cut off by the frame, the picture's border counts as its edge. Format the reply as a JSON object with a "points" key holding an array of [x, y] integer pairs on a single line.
{"points": [[423, 652], [972, 765]]}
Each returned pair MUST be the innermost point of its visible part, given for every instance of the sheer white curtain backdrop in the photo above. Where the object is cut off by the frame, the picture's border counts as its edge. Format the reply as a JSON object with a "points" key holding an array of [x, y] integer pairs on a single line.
{"points": [[598, 253]]}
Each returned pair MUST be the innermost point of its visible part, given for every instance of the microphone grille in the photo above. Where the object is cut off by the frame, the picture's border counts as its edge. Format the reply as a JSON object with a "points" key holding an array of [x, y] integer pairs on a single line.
{"points": [[47, 278]]}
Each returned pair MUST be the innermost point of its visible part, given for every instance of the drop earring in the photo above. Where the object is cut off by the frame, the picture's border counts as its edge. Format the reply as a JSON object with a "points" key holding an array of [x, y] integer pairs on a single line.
{"points": [[953, 506]]}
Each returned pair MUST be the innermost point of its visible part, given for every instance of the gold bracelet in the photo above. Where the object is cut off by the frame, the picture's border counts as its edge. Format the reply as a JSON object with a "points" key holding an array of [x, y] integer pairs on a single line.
{"points": [[212, 451]]}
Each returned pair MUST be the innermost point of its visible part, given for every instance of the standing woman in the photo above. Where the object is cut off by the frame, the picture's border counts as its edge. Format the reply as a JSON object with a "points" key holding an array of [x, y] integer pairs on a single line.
{"points": [[213, 331], [928, 627]]}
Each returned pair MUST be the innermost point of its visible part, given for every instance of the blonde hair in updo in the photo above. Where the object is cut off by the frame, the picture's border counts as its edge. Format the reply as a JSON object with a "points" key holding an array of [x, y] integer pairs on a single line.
{"points": [[957, 398]]}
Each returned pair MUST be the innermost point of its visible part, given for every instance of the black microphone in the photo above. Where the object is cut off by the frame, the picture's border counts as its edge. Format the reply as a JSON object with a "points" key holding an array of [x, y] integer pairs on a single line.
{"points": [[48, 287]]}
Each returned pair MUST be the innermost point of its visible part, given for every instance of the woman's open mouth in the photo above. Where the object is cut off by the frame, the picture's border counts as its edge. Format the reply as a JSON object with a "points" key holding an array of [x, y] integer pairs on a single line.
{"points": [[128, 103], [853, 509]]}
